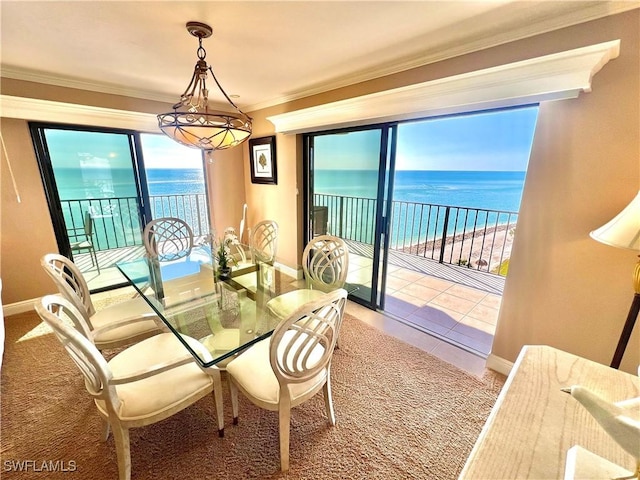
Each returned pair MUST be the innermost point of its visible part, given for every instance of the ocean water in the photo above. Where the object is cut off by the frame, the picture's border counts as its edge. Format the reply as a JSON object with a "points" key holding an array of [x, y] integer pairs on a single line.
{"points": [[480, 194], [166, 181], [481, 189], [117, 222], [485, 190], [96, 183]]}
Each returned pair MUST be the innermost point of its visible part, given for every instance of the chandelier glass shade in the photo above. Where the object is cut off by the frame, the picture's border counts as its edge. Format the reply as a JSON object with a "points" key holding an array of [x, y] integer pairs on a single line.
{"points": [[192, 122]]}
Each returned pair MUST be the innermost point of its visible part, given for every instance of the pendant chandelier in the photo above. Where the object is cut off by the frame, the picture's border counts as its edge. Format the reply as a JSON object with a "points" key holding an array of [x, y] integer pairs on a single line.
{"points": [[192, 123]]}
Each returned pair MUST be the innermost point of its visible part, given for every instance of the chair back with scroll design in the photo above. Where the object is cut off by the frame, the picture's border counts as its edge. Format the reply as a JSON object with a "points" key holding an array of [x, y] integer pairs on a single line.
{"points": [[263, 241], [298, 364], [325, 262], [60, 314], [168, 238], [70, 282]]}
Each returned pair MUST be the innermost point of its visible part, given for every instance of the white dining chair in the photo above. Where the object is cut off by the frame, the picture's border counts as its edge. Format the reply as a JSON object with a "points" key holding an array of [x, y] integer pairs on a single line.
{"points": [[143, 384], [114, 326], [290, 367], [168, 238], [325, 263], [263, 241]]}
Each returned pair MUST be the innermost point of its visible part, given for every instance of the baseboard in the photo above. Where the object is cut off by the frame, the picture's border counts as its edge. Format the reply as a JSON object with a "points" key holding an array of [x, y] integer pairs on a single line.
{"points": [[499, 364], [19, 307]]}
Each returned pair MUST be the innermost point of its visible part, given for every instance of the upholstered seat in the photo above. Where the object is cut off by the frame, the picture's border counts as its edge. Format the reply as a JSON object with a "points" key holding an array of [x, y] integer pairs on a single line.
{"points": [[143, 384], [284, 305], [257, 376], [110, 327], [159, 394], [292, 365]]}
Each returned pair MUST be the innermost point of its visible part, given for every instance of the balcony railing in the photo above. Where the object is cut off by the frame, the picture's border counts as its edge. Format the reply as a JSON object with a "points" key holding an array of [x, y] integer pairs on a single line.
{"points": [[116, 220], [472, 237]]}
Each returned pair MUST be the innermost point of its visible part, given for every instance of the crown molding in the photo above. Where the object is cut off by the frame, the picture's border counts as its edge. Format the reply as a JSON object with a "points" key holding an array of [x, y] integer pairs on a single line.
{"points": [[460, 46], [550, 77], [27, 75], [71, 113]]}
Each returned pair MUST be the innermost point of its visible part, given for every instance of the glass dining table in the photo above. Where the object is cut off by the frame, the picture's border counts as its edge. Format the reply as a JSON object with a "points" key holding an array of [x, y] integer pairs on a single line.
{"points": [[226, 314]]}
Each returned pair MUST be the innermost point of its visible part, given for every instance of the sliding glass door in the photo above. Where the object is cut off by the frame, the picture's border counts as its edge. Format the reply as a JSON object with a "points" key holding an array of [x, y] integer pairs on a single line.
{"points": [[104, 185], [347, 197]]}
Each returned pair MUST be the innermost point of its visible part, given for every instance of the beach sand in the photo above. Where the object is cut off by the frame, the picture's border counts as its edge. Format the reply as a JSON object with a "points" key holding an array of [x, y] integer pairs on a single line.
{"points": [[484, 251]]}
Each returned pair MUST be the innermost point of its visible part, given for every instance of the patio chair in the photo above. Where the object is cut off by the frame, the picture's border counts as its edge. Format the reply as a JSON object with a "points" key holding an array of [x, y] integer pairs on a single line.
{"points": [[84, 239], [117, 325], [290, 367], [263, 241], [143, 384], [168, 238]]}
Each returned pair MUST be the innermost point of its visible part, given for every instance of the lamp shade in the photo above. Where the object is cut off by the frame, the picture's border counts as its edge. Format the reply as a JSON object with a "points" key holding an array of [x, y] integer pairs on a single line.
{"points": [[192, 123], [623, 231]]}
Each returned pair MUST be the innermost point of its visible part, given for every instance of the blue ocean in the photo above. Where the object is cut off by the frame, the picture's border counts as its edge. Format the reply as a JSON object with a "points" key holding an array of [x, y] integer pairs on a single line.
{"points": [[483, 198], [166, 181], [487, 190], [96, 183], [480, 189]]}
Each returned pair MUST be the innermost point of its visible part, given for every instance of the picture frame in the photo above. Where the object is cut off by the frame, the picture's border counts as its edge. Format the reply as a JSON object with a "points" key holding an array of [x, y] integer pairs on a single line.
{"points": [[262, 160]]}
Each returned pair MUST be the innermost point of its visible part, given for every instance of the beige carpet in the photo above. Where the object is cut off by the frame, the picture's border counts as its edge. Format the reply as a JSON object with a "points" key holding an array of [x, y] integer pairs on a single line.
{"points": [[401, 414]]}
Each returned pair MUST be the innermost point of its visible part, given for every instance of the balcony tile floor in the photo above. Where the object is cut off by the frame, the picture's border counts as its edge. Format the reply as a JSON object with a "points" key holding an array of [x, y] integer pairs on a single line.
{"points": [[437, 300]]}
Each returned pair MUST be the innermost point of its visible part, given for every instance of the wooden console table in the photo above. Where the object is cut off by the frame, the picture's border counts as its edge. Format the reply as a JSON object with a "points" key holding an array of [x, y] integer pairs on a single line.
{"points": [[533, 423]]}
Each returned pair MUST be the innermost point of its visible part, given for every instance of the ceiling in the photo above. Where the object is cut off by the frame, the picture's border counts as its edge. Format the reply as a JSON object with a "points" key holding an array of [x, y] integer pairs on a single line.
{"points": [[264, 52]]}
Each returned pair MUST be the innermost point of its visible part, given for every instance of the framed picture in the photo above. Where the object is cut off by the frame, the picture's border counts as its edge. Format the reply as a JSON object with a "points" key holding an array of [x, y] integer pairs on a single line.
{"points": [[262, 158]]}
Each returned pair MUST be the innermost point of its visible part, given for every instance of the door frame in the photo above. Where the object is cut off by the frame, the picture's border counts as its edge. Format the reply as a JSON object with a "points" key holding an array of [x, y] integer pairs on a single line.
{"points": [[43, 157], [386, 164]]}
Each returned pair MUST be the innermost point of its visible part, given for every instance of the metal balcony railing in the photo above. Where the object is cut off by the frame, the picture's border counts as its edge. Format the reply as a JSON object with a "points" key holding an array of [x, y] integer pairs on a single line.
{"points": [[472, 237], [116, 220]]}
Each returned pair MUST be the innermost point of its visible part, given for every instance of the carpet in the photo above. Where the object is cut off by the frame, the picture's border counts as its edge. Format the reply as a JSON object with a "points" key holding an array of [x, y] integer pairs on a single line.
{"points": [[401, 414]]}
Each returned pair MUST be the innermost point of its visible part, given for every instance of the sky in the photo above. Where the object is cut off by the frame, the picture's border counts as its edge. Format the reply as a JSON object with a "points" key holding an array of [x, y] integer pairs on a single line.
{"points": [[71, 148], [495, 141], [160, 151]]}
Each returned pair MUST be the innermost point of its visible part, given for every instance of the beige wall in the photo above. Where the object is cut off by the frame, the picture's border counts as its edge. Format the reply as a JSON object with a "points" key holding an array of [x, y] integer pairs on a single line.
{"points": [[25, 232], [281, 202], [564, 289]]}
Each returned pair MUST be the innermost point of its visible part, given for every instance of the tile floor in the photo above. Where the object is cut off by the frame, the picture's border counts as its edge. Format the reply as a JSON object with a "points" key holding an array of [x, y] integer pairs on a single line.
{"points": [[459, 314]]}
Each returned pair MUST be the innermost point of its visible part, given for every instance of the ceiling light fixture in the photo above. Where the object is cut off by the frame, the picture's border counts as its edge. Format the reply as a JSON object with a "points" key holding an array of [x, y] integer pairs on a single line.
{"points": [[196, 125]]}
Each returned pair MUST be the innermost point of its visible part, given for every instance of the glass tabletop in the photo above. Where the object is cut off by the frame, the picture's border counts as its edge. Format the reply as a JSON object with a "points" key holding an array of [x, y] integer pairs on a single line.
{"points": [[225, 314]]}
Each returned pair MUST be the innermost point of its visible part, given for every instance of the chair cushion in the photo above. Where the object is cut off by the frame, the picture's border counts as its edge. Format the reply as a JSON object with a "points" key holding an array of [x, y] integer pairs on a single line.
{"points": [[284, 305], [160, 392], [127, 310], [252, 370]]}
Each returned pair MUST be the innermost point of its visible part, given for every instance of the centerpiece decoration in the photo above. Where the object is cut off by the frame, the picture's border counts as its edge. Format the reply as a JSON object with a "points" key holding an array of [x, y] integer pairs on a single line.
{"points": [[223, 255]]}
